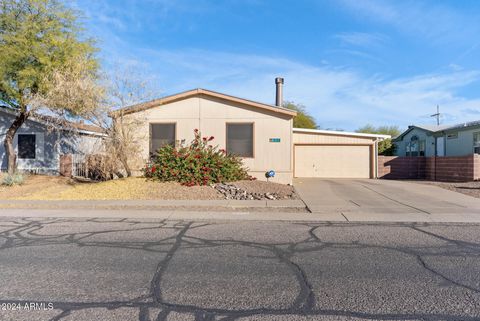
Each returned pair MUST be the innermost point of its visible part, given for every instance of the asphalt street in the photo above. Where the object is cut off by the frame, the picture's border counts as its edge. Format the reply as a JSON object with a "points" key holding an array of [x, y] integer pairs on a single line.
{"points": [[150, 269]]}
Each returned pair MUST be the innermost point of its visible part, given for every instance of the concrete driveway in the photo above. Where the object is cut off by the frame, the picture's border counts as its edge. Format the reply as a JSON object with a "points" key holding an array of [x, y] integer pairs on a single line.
{"points": [[365, 197]]}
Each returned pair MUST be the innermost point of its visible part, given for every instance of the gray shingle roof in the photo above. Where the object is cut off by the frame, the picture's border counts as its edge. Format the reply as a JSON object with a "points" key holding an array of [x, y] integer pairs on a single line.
{"points": [[438, 128]]}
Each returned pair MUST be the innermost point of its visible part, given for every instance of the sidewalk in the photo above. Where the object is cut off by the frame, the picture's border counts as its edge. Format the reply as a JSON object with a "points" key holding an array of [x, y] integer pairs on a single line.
{"points": [[241, 216]]}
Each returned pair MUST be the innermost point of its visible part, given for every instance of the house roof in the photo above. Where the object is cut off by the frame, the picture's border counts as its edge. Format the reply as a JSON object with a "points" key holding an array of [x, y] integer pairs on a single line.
{"points": [[439, 128], [339, 133], [65, 125], [201, 92]]}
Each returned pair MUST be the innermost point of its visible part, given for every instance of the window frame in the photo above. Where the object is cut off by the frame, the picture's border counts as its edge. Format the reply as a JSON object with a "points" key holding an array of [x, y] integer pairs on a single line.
{"points": [[34, 146], [150, 126], [422, 143], [253, 136], [477, 144]]}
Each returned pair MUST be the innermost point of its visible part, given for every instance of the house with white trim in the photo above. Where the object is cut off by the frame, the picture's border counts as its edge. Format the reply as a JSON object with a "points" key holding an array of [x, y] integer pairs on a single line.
{"points": [[41, 141], [261, 134]]}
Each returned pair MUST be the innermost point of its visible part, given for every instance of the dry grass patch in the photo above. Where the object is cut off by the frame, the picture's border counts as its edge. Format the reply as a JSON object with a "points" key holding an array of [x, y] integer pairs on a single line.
{"points": [[138, 188], [35, 185], [133, 188], [41, 187]]}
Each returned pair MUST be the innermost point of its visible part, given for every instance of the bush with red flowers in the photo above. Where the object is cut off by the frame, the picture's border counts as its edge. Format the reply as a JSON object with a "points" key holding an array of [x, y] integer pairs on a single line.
{"points": [[199, 163]]}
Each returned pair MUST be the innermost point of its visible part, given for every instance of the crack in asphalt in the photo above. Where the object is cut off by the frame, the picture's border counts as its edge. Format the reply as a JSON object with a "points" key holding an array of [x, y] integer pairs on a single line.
{"points": [[25, 233]]}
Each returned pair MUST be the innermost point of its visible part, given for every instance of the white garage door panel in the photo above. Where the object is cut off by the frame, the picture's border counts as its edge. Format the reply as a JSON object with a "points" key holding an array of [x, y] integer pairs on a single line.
{"points": [[332, 161]]}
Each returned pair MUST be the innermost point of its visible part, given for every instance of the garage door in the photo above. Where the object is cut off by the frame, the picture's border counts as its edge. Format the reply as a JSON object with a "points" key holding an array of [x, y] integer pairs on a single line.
{"points": [[332, 161]]}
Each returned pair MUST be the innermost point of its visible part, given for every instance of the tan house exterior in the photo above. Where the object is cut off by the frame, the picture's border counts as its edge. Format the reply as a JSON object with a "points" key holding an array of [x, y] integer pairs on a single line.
{"points": [[276, 144], [335, 154]]}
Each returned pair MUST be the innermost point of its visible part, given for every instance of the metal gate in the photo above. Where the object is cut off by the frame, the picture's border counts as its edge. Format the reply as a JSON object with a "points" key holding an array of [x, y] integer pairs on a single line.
{"points": [[79, 166]]}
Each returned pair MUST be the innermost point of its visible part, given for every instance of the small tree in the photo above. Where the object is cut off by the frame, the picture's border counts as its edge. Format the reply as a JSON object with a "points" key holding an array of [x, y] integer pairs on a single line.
{"points": [[44, 64], [125, 88], [385, 147], [303, 119]]}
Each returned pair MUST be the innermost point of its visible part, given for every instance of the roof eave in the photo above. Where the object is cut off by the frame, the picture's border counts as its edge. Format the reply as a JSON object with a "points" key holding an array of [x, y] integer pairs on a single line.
{"points": [[186, 94], [340, 133]]}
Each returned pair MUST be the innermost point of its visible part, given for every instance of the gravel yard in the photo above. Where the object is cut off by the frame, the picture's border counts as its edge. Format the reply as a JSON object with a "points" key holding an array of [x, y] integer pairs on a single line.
{"points": [[467, 188], [261, 187], [39, 187]]}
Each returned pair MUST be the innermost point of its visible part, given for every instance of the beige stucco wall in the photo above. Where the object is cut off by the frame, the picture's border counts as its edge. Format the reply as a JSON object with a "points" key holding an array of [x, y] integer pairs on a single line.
{"points": [[210, 116], [333, 159], [321, 138]]}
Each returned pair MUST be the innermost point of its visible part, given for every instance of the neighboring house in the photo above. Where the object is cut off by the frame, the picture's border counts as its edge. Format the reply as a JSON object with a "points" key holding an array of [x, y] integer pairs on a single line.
{"points": [[443, 140], [262, 134], [39, 144]]}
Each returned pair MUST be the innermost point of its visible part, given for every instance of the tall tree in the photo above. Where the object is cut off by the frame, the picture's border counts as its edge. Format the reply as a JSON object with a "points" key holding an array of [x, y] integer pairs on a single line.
{"points": [[303, 119], [385, 147], [45, 63]]}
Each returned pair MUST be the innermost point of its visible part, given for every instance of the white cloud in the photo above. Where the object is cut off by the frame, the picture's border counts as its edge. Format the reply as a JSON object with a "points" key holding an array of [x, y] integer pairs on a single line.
{"points": [[435, 21], [337, 97], [361, 38]]}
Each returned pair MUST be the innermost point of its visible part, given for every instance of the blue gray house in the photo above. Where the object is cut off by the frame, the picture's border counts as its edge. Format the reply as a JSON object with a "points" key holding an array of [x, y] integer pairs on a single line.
{"points": [[39, 144], [442, 140]]}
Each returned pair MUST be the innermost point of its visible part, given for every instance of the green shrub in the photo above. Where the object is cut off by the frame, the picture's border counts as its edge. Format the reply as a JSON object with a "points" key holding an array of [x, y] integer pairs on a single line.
{"points": [[200, 163], [14, 179]]}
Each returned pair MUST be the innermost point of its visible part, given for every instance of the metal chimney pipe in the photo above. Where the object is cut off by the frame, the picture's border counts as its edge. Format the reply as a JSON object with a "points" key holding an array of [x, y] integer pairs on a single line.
{"points": [[279, 91]]}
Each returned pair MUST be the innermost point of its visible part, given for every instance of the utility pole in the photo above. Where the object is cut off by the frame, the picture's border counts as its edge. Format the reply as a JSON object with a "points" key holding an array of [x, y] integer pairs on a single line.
{"points": [[437, 115]]}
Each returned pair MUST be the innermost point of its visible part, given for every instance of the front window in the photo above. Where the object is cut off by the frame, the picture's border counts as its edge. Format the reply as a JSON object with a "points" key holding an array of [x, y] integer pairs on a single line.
{"points": [[412, 149], [240, 139], [476, 143], [421, 148], [161, 135], [26, 146], [415, 147]]}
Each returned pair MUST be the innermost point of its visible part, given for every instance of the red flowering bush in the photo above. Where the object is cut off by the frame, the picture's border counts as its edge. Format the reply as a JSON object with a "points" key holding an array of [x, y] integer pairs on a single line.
{"points": [[200, 163]]}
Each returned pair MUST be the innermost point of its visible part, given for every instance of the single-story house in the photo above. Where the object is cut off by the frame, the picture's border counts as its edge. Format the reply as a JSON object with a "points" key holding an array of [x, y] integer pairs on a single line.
{"points": [[262, 134], [439, 140], [41, 141]]}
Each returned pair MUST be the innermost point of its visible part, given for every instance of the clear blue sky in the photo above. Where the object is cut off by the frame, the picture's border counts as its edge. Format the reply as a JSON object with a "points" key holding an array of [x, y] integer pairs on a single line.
{"points": [[349, 62]]}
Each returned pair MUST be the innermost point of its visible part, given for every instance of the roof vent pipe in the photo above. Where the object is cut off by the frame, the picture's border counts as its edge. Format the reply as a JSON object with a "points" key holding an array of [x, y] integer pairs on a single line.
{"points": [[279, 91]]}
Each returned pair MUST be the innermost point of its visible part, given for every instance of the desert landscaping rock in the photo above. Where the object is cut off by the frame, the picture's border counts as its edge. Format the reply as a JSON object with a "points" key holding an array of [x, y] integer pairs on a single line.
{"points": [[467, 188], [255, 190], [249, 191], [261, 187]]}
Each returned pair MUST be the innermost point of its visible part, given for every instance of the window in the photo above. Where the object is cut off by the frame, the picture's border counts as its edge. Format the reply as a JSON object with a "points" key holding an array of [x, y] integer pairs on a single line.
{"points": [[476, 143], [240, 139], [161, 135], [26, 146], [415, 147], [412, 148], [421, 148]]}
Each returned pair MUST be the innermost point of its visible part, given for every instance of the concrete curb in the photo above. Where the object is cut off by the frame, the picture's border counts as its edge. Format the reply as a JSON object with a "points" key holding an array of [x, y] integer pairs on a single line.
{"points": [[125, 204]]}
